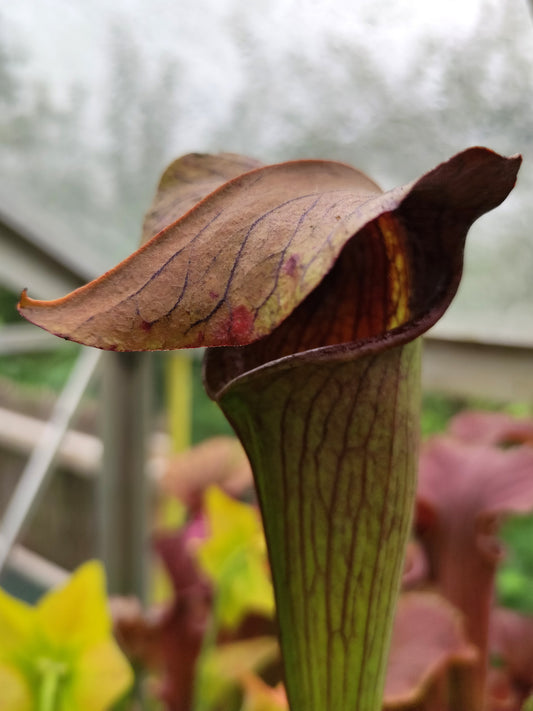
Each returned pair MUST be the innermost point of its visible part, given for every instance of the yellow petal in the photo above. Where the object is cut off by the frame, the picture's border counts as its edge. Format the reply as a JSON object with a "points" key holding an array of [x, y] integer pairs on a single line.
{"points": [[76, 615], [16, 624], [101, 676], [15, 694]]}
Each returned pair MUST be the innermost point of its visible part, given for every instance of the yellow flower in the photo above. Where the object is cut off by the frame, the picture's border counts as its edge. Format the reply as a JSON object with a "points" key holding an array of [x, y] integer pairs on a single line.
{"points": [[60, 655]]}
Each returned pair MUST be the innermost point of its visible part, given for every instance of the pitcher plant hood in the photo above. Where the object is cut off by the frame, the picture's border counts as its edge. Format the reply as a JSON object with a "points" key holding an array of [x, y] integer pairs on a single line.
{"points": [[232, 267]]}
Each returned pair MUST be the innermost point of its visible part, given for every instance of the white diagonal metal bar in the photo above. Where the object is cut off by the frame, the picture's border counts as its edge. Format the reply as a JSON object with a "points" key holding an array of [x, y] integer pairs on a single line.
{"points": [[39, 466], [35, 568]]}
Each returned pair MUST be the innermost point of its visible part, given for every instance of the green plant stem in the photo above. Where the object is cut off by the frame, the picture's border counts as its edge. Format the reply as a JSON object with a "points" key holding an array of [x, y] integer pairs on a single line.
{"points": [[51, 678]]}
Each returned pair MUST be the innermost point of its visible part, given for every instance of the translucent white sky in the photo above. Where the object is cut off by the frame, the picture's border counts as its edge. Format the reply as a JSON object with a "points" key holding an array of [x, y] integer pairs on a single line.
{"points": [[68, 41]]}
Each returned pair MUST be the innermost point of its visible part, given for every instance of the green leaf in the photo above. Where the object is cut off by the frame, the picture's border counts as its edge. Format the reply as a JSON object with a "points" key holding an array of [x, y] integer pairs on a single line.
{"points": [[234, 558]]}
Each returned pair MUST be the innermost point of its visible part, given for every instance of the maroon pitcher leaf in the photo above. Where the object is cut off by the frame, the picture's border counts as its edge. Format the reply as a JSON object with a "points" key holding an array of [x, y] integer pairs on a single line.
{"points": [[428, 641], [492, 428], [234, 267], [415, 569], [511, 645], [182, 627], [464, 491]]}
